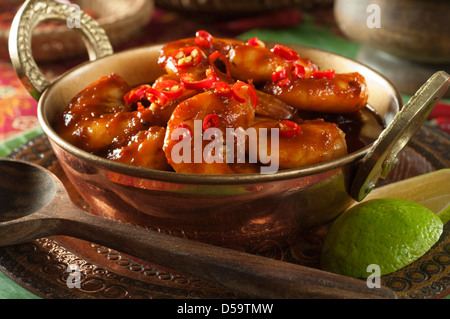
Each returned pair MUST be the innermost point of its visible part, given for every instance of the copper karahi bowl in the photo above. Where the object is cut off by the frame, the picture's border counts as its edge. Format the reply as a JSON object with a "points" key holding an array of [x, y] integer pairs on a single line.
{"points": [[240, 211]]}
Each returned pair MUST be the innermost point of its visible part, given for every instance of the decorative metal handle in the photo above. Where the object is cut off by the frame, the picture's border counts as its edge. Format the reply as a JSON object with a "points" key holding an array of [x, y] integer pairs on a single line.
{"points": [[382, 157], [31, 14]]}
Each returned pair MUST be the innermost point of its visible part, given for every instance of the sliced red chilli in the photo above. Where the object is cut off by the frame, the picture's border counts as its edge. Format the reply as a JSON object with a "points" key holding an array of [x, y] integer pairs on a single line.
{"points": [[289, 129], [171, 88], [286, 53], [203, 39]]}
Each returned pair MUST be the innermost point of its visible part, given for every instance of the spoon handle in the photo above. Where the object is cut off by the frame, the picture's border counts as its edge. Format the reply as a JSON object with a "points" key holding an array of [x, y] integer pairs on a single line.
{"points": [[255, 276]]}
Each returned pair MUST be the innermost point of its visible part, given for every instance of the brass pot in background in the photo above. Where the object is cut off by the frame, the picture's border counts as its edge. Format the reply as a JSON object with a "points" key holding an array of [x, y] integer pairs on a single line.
{"points": [[121, 20], [416, 30], [405, 40]]}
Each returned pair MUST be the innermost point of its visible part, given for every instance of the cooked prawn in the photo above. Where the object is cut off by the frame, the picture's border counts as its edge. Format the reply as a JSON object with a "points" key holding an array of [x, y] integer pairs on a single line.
{"points": [[144, 149], [259, 64], [308, 142], [343, 93], [87, 119], [273, 107], [195, 115]]}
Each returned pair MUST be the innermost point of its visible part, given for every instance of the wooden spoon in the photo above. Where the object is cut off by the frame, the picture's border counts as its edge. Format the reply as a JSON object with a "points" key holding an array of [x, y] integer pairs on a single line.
{"points": [[34, 204]]}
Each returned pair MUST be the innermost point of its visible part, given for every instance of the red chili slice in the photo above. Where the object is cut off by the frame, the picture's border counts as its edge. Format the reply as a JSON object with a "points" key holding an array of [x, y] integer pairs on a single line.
{"points": [[219, 56], [155, 96], [210, 121], [255, 42], [203, 39], [171, 88], [285, 52], [185, 134], [140, 107], [289, 129], [284, 82], [135, 94], [186, 79], [253, 95], [279, 75], [298, 71], [240, 86], [328, 74], [222, 89], [187, 57]]}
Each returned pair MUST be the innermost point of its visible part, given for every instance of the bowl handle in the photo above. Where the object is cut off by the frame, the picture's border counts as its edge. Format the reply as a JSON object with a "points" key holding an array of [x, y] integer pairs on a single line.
{"points": [[382, 156], [34, 12]]}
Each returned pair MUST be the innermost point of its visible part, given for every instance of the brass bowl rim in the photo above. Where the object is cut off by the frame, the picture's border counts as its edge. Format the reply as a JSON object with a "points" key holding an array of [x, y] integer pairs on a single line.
{"points": [[201, 179]]}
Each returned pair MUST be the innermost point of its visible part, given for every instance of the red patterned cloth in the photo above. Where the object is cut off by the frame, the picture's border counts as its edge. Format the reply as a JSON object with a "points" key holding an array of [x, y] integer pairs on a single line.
{"points": [[17, 107]]}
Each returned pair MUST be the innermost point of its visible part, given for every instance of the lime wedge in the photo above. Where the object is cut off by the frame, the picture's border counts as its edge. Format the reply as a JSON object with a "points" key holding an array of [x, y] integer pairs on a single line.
{"points": [[440, 205], [431, 190], [388, 232], [416, 188], [392, 227]]}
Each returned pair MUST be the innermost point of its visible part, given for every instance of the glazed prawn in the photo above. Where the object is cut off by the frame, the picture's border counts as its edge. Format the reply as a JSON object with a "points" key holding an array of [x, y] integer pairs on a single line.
{"points": [[301, 144], [273, 107], [143, 149], [343, 93], [204, 118], [87, 120]]}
